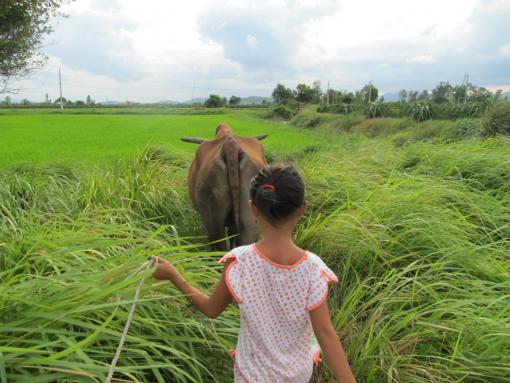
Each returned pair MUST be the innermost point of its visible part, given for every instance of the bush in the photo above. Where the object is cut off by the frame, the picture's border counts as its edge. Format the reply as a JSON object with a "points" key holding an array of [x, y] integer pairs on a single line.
{"points": [[309, 119], [214, 101], [378, 127], [421, 111], [376, 110], [346, 123], [497, 120], [336, 108], [281, 111], [439, 131]]}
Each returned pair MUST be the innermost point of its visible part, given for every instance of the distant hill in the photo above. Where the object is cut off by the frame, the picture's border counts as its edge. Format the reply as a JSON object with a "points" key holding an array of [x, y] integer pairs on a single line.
{"points": [[168, 102], [505, 95], [112, 102], [199, 100], [389, 97]]}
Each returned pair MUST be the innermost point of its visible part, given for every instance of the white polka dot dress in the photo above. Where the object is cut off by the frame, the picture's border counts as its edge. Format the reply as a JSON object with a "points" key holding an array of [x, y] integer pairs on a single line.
{"points": [[276, 342]]}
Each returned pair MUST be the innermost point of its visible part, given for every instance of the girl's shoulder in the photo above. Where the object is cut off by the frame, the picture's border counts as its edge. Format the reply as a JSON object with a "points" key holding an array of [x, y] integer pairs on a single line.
{"points": [[315, 259], [242, 251], [238, 253], [320, 266]]}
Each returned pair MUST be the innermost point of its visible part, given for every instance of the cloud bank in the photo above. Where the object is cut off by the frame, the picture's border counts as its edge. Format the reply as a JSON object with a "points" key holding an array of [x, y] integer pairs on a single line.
{"points": [[161, 50]]}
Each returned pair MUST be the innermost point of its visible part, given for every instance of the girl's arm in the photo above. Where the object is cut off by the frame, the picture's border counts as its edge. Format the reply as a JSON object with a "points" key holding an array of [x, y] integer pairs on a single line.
{"points": [[330, 344], [211, 306]]}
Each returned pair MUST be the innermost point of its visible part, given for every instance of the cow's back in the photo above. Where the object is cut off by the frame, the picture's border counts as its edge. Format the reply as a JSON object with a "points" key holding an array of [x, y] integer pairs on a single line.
{"points": [[209, 181]]}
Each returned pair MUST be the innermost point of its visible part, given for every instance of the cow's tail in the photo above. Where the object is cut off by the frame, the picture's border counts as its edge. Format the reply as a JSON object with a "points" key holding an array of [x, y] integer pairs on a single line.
{"points": [[232, 151]]}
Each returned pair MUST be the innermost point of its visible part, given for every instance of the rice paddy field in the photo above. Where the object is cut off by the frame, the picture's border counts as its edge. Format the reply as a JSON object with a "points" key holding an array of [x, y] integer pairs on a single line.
{"points": [[414, 218]]}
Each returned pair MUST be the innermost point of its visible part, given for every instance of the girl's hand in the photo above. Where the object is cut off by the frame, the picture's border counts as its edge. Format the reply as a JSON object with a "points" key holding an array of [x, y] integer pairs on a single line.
{"points": [[164, 269]]}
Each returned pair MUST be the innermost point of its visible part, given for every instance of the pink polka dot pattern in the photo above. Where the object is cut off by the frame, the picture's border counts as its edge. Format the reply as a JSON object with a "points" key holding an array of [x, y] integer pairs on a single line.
{"points": [[276, 342]]}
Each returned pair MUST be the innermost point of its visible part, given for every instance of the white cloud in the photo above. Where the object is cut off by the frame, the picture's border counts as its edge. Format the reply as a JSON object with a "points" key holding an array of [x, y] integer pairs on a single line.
{"points": [[422, 59], [251, 41], [505, 50]]}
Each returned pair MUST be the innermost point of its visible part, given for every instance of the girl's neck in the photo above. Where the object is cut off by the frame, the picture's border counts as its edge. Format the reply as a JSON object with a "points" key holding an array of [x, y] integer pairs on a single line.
{"points": [[277, 235]]}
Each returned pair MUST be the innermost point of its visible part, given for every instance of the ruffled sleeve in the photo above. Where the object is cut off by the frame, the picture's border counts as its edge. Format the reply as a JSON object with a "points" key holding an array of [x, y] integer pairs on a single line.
{"points": [[233, 276], [320, 278]]}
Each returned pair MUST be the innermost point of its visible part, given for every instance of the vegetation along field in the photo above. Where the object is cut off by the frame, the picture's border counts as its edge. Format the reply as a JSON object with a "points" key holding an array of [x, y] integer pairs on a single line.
{"points": [[414, 218]]}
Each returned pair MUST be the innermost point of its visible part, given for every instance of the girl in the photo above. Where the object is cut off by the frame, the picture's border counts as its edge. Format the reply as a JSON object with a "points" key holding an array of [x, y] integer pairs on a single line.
{"points": [[281, 290]]}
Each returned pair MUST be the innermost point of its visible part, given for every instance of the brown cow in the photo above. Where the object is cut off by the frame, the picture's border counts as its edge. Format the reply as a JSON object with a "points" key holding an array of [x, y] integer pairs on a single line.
{"points": [[219, 182]]}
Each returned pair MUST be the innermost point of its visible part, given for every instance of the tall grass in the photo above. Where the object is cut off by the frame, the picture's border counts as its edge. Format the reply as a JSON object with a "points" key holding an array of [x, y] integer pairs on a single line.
{"points": [[70, 246], [417, 234], [423, 260]]}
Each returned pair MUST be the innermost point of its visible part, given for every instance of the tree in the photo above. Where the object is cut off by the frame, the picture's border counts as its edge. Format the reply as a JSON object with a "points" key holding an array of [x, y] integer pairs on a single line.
{"points": [[442, 92], [234, 100], [25, 102], [460, 93], [47, 99], [369, 93], [214, 101], [23, 26], [333, 96], [347, 98], [479, 93], [304, 93], [282, 95], [424, 95], [402, 95], [317, 92], [89, 101], [412, 95], [7, 100]]}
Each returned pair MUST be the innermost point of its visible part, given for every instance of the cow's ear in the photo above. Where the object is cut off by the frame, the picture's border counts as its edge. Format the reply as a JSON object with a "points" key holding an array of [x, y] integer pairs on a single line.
{"points": [[260, 137], [193, 140]]}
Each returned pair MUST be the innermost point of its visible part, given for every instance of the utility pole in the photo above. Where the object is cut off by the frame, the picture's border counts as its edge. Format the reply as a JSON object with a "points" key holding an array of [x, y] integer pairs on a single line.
{"points": [[327, 95], [60, 84], [466, 90], [370, 91]]}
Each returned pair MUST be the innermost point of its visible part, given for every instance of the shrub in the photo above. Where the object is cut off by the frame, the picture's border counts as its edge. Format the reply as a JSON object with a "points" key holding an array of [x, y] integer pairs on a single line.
{"points": [[214, 101], [342, 108], [346, 123], [421, 111], [281, 111], [497, 120], [375, 110], [439, 131]]}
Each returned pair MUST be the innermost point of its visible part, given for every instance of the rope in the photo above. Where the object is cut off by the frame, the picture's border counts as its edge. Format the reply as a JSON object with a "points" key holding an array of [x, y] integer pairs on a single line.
{"points": [[126, 327]]}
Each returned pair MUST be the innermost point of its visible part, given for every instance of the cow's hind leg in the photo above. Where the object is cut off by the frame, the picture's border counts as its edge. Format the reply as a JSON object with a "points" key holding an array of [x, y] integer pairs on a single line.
{"points": [[215, 205], [249, 228], [215, 226]]}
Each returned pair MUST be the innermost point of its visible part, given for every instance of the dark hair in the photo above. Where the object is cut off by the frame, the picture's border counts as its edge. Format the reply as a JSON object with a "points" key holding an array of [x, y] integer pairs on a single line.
{"points": [[277, 191]]}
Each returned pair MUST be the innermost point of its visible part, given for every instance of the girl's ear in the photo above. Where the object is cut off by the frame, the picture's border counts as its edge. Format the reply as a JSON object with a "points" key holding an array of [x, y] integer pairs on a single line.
{"points": [[303, 209], [253, 209]]}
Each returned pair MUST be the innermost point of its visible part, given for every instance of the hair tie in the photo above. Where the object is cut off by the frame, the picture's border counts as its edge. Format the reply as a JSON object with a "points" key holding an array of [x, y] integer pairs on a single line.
{"points": [[268, 186]]}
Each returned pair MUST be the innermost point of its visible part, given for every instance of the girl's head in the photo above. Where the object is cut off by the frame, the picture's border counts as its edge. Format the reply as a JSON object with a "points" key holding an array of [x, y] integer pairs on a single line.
{"points": [[278, 192]]}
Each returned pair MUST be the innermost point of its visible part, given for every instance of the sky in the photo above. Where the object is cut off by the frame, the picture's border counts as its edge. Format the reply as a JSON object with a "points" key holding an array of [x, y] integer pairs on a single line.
{"points": [[154, 50]]}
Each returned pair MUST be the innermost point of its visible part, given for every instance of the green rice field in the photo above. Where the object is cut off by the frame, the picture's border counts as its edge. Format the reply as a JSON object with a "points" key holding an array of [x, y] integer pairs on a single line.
{"points": [[100, 139], [414, 218]]}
